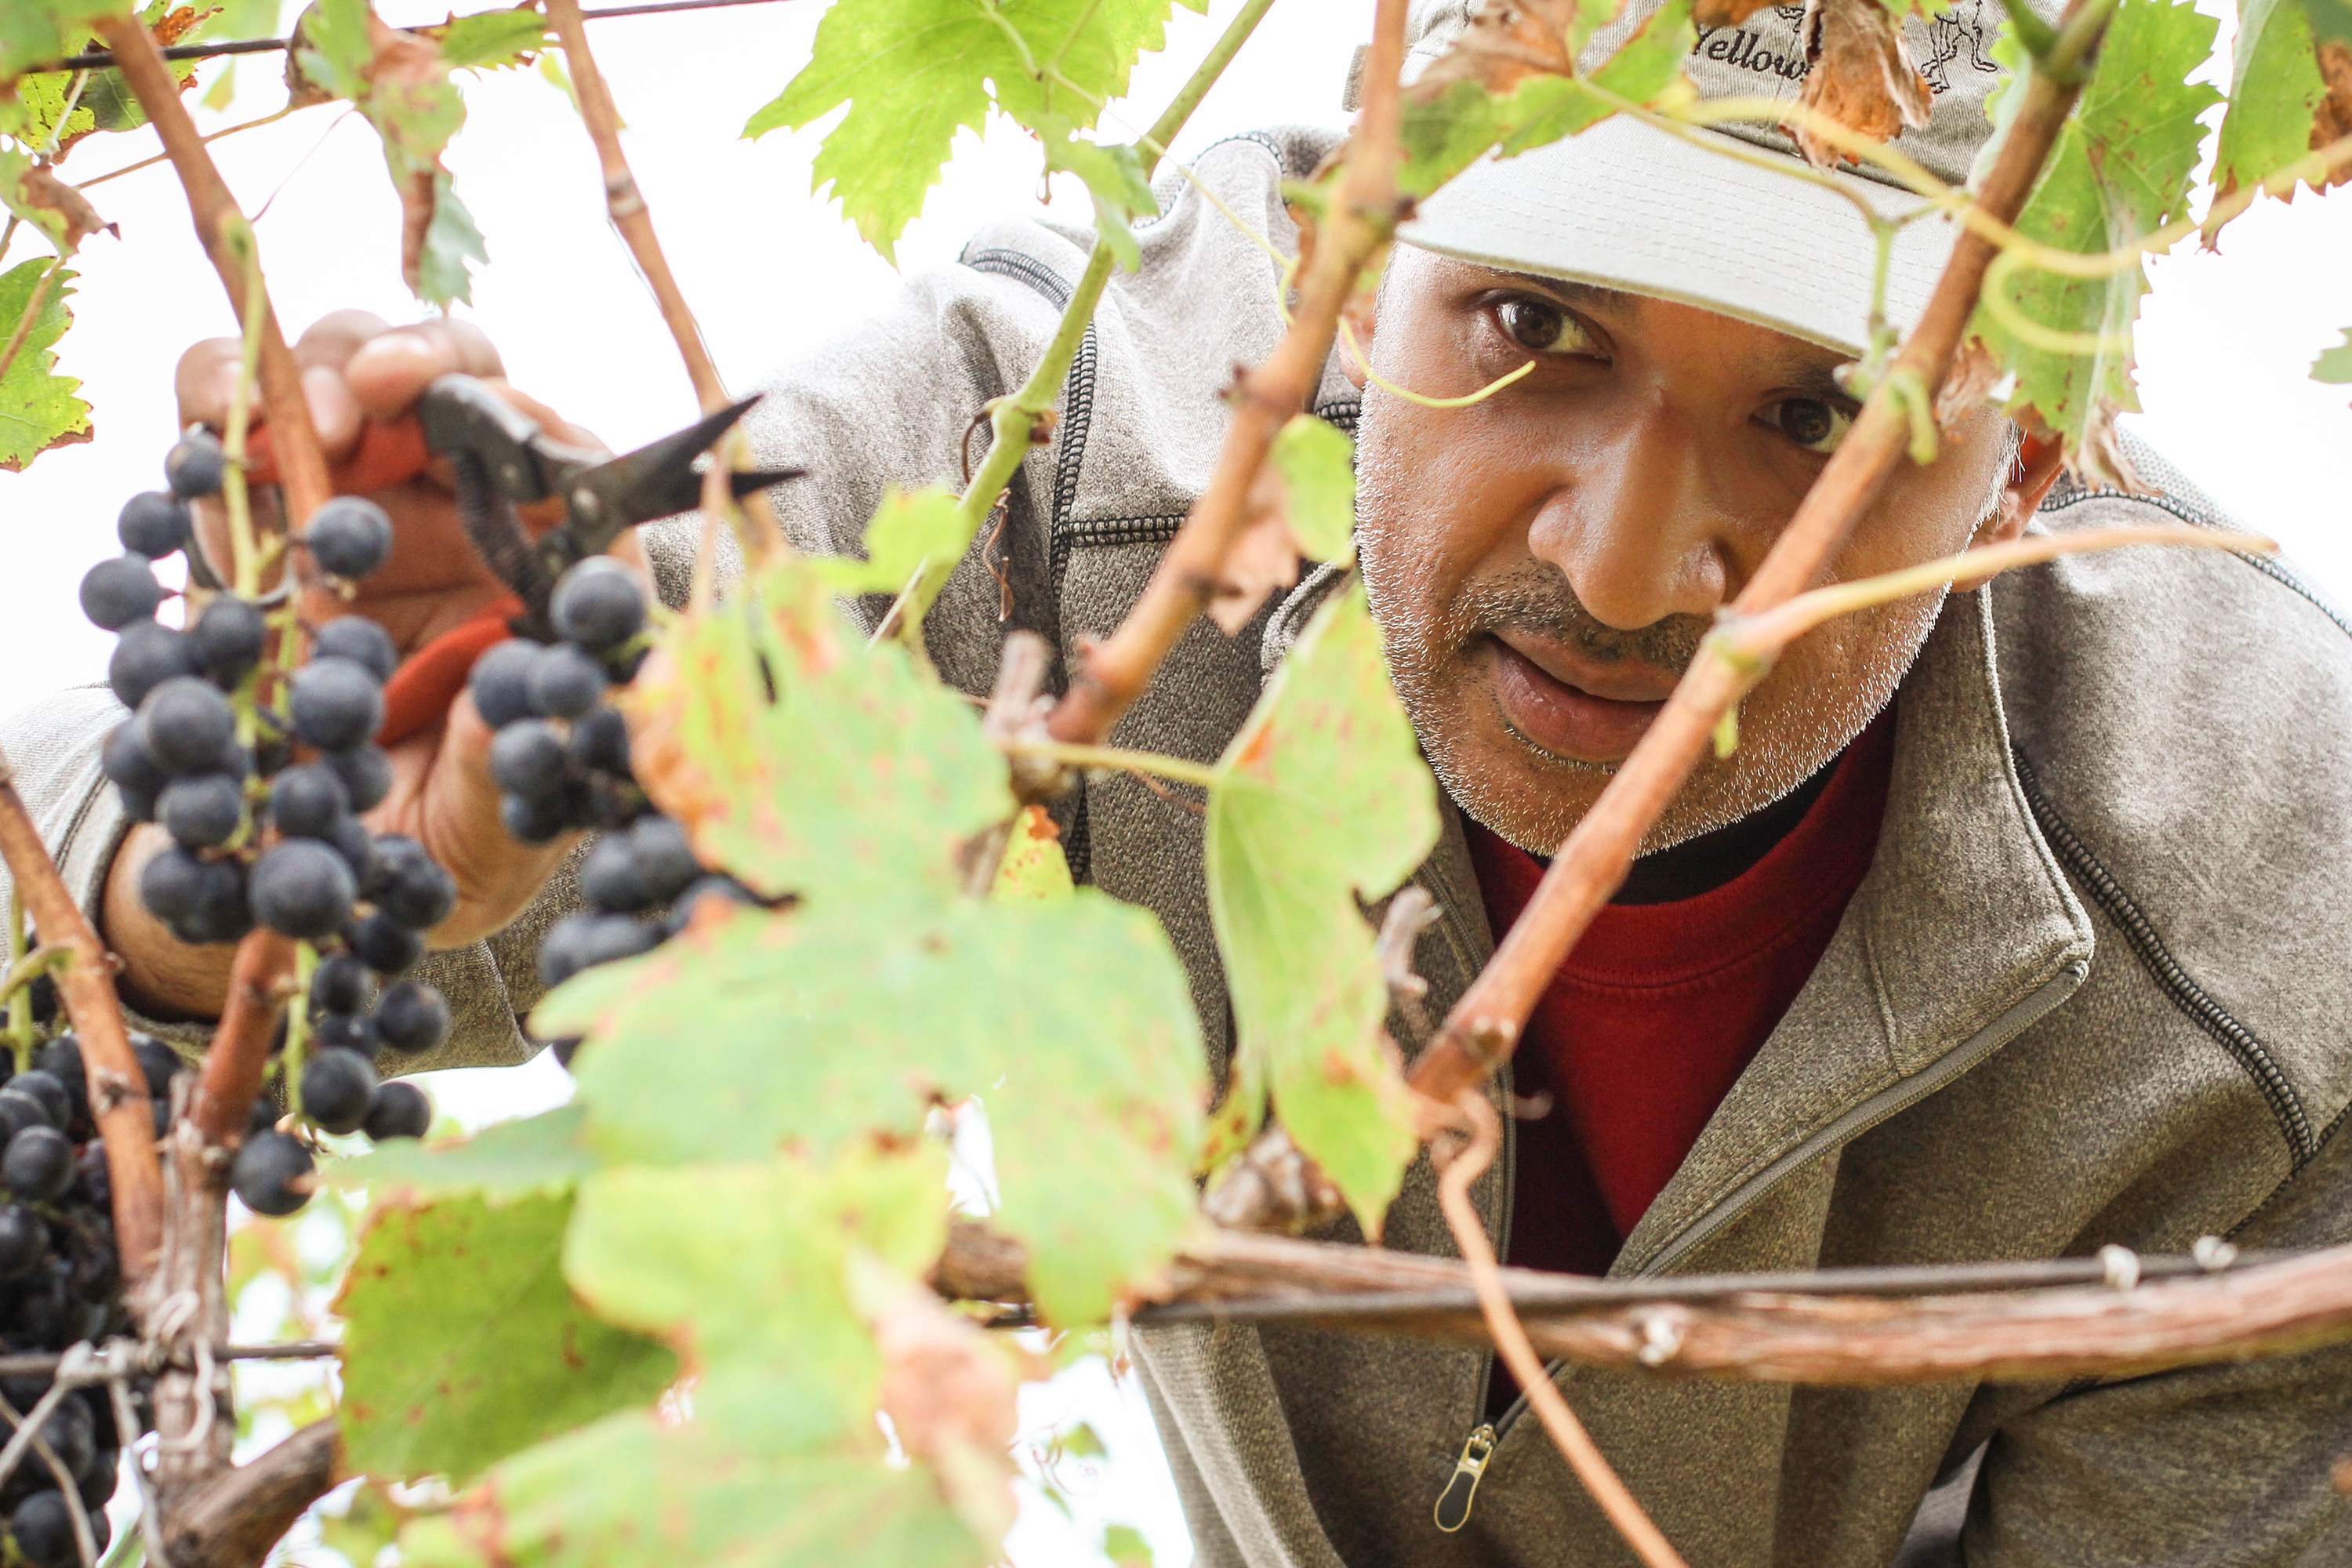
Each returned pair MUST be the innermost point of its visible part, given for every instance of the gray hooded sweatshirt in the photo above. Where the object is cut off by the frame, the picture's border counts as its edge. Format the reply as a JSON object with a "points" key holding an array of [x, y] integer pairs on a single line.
{"points": [[2094, 989]]}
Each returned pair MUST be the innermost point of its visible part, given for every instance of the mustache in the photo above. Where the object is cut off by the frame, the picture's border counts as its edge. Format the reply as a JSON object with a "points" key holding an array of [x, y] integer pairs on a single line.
{"points": [[1535, 598]]}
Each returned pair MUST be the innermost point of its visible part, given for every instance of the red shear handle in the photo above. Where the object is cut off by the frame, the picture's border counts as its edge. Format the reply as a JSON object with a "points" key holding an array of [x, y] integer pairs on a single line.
{"points": [[390, 451], [420, 691]]}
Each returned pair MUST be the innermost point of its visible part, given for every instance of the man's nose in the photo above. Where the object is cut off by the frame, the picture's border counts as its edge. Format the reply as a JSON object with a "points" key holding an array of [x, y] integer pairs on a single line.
{"points": [[1634, 525]]}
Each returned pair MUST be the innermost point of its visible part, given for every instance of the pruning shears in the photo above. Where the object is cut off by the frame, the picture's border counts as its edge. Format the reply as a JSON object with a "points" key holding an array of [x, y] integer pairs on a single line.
{"points": [[499, 459]]}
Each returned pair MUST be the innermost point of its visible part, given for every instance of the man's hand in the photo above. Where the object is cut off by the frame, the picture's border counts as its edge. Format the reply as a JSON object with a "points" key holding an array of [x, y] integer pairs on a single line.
{"points": [[356, 370]]}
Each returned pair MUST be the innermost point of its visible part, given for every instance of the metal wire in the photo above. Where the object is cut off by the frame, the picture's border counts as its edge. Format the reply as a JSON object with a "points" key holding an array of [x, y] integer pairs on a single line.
{"points": [[97, 58]]}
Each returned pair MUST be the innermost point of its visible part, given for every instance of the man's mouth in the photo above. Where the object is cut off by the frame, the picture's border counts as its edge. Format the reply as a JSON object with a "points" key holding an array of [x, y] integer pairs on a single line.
{"points": [[1569, 706]]}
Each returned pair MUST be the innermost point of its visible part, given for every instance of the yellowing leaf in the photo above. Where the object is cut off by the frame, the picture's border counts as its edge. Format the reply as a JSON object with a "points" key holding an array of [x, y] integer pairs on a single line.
{"points": [[530, 1157], [491, 38], [1070, 1019], [1858, 73], [1034, 869], [1321, 800], [914, 72], [39, 409], [462, 1344], [2334, 364], [638, 1492], [805, 760]]}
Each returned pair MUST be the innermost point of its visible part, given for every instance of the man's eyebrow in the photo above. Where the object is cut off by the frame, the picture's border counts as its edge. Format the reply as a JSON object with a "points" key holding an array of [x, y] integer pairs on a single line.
{"points": [[1803, 374]]}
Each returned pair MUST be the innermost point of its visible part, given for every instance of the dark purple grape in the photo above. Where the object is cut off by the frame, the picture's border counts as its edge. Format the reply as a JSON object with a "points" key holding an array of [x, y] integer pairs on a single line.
{"points": [[527, 760], [565, 683], [272, 1174], [366, 774], [598, 605], [116, 593], [145, 657], [152, 523], [347, 1031], [23, 1240], [411, 1017], [533, 821], [39, 1164], [336, 1086], [406, 884], [500, 683], [61, 1059], [384, 945], [186, 725], [339, 984], [158, 1062], [337, 705], [609, 878], [42, 1526], [350, 537], [49, 1092], [359, 639], [398, 1110], [227, 638], [308, 801], [196, 466], [664, 859], [600, 740], [125, 760], [302, 887], [202, 811]]}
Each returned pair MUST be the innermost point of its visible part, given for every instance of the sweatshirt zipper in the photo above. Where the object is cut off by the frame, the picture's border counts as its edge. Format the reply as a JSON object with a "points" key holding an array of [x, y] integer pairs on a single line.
{"points": [[1461, 1486]]}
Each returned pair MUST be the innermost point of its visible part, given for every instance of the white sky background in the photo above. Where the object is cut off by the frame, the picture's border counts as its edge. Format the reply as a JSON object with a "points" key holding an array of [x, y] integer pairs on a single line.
{"points": [[2225, 346]]}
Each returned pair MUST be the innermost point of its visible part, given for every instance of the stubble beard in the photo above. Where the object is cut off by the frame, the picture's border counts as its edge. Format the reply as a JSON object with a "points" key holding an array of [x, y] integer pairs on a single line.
{"points": [[1534, 798]]}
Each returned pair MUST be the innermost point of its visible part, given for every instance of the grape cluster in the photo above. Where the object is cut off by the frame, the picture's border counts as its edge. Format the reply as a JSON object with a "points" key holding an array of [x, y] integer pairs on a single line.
{"points": [[259, 838], [60, 1275], [561, 757]]}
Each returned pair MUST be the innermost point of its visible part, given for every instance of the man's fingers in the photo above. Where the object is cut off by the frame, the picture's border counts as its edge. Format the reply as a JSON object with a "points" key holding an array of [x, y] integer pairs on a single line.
{"points": [[196, 381], [333, 338], [388, 372], [556, 427]]}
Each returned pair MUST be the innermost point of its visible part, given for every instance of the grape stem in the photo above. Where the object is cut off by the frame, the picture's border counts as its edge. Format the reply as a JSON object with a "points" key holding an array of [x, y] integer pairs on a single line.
{"points": [[298, 1026], [85, 979]]}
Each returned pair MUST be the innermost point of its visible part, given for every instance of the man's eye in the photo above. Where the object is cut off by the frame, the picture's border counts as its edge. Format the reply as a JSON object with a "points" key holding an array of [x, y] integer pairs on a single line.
{"points": [[1542, 327], [1815, 426]]}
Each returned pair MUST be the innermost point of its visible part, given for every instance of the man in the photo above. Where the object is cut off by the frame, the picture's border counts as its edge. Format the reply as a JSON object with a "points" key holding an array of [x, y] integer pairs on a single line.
{"points": [[2012, 930]]}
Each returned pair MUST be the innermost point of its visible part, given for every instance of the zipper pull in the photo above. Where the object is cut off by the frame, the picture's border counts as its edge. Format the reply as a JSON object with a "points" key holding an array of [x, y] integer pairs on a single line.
{"points": [[1453, 1509]]}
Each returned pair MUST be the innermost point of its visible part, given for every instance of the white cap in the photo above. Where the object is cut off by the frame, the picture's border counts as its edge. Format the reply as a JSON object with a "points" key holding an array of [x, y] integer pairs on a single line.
{"points": [[1627, 205]]}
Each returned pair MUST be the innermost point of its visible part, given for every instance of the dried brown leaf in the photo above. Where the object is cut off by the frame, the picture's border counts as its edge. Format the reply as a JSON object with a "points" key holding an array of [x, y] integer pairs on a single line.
{"points": [[1726, 13], [1859, 74], [2333, 122], [77, 219], [1967, 386], [1505, 44], [1263, 559]]}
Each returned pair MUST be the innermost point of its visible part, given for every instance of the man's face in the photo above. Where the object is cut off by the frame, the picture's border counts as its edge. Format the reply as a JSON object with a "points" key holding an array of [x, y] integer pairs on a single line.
{"points": [[1544, 564]]}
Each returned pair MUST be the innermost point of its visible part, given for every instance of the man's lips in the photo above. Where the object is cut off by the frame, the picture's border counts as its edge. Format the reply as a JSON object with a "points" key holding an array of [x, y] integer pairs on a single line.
{"points": [[1594, 713]]}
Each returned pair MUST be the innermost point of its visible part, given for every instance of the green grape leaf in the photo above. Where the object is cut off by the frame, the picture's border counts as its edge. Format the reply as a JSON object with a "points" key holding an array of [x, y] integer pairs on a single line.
{"points": [[1114, 179], [1316, 464], [1126, 1547], [2119, 168], [914, 72], [1453, 114], [38, 32], [907, 529], [2331, 21], [487, 39], [1070, 1018], [805, 760], [2335, 363], [637, 1491], [106, 102], [39, 409], [439, 266], [1034, 869], [2276, 92], [1320, 800], [745, 1269], [534, 1156], [462, 1344]]}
